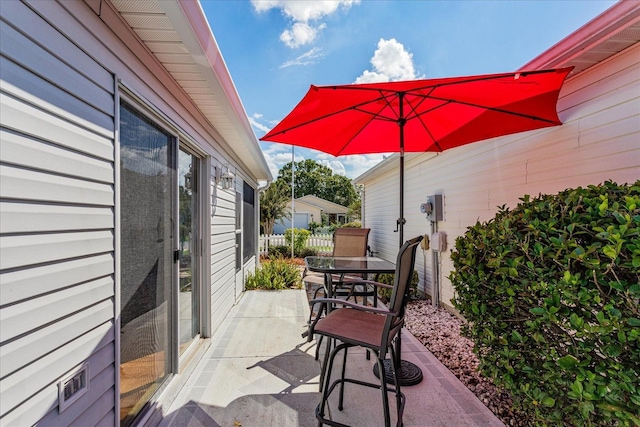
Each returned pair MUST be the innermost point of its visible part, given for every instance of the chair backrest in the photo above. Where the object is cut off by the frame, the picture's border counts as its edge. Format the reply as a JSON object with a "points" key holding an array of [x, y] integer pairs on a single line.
{"points": [[349, 241], [405, 264]]}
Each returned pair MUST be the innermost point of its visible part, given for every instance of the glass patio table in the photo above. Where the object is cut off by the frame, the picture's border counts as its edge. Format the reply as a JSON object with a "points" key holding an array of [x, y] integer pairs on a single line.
{"points": [[409, 374], [329, 265]]}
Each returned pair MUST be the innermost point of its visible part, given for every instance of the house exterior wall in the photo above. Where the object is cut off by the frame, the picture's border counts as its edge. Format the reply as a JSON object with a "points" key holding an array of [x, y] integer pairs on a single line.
{"points": [[599, 141], [315, 213], [63, 67]]}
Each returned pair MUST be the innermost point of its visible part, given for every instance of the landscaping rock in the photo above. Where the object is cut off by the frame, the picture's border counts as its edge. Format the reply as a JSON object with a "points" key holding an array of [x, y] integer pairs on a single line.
{"points": [[439, 331]]}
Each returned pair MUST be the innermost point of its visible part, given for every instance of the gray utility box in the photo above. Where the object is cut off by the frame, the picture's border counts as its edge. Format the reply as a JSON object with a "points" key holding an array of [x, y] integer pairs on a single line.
{"points": [[434, 208]]}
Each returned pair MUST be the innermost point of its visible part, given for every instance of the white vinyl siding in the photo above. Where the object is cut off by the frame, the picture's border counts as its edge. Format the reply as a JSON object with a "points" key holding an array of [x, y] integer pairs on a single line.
{"points": [[599, 141], [61, 63], [57, 228], [223, 254]]}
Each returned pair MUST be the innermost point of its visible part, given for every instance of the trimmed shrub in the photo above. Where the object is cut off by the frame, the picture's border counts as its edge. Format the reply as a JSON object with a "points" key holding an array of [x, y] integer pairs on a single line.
{"points": [[282, 251], [285, 251], [550, 290], [305, 252], [387, 279], [276, 273]]}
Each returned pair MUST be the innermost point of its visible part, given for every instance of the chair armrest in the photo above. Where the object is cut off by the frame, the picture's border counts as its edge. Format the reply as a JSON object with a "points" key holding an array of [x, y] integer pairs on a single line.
{"points": [[353, 305], [376, 284]]}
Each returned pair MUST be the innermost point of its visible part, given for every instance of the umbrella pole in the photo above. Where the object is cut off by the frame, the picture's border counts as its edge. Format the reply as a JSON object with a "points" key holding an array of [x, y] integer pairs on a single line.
{"points": [[401, 219], [401, 122], [408, 373]]}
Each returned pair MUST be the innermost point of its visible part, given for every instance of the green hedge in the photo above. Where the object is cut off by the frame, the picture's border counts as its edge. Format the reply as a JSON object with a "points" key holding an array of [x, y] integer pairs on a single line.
{"points": [[550, 290]]}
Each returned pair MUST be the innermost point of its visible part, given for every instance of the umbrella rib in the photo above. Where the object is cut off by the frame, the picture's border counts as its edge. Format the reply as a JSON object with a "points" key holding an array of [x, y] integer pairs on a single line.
{"points": [[333, 113], [418, 116], [434, 86], [373, 116], [499, 110]]}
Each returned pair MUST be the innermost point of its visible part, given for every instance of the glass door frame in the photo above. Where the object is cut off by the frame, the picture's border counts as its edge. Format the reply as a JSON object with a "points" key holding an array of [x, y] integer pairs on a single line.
{"points": [[178, 362], [199, 225]]}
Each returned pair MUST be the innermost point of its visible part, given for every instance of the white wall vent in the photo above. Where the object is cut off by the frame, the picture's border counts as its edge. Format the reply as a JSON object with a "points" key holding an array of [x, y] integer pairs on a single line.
{"points": [[72, 386]]}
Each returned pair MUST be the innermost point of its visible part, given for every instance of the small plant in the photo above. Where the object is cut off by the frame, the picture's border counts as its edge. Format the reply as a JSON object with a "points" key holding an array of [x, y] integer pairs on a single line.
{"points": [[301, 236], [387, 279], [313, 226], [276, 273], [550, 290], [353, 224]]}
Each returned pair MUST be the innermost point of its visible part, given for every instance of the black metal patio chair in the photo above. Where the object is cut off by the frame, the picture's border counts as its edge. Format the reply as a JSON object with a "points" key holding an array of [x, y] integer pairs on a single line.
{"points": [[372, 328]]}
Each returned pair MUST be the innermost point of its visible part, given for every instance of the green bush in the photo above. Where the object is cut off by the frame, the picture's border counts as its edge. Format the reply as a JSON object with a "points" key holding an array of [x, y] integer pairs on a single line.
{"points": [[301, 236], [305, 252], [276, 273], [550, 290], [285, 251], [279, 251], [387, 279]]}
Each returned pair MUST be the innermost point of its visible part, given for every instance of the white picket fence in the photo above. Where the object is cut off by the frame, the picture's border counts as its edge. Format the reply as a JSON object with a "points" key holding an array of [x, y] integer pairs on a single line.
{"points": [[323, 243]]}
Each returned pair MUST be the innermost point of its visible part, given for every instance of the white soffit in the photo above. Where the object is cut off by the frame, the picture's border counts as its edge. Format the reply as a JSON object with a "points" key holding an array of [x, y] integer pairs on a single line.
{"points": [[613, 31], [179, 37]]}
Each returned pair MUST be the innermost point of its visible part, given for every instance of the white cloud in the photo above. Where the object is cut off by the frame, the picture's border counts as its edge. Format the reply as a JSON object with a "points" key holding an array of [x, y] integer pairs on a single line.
{"points": [[307, 58], [300, 13], [299, 34], [253, 120], [303, 11], [350, 166], [335, 165], [360, 163], [278, 155], [390, 62]]}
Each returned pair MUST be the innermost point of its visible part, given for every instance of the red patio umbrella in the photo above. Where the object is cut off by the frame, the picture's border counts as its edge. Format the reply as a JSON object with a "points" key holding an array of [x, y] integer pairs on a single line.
{"points": [[420, 115]]}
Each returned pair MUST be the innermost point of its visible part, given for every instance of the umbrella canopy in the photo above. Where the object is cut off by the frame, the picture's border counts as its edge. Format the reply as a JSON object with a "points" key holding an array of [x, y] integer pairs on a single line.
{"points": [[421, 115]]}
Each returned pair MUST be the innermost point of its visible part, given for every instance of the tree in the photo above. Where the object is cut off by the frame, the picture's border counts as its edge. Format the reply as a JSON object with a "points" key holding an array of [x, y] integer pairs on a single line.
{"points": [[355, 210], [316, 179], [273, 204], [340, 190], [310, 177]]}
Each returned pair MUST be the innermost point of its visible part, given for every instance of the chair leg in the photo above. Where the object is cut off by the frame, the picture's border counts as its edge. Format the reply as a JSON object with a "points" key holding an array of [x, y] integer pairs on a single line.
{"points": [[326, 381], [383, 389], [323, 370], [318, 344], [344, 368], [396, 380]]}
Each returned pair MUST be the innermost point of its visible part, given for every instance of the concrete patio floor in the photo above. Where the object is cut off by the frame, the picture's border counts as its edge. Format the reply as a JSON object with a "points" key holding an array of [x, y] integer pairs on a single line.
{"points": [[260, 372]]}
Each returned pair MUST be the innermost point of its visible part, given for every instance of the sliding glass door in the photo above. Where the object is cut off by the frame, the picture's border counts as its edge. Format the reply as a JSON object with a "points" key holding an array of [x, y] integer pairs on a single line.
{"points": [[160, 250], [147, 177], [189, 248]]}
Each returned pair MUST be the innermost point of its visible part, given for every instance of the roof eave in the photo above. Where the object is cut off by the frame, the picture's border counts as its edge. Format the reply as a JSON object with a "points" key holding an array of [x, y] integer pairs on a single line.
{"points": [[211, 53], [605, 26]]}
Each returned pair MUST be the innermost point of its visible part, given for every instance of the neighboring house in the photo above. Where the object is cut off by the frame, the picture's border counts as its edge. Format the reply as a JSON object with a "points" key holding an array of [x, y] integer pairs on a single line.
{"points": [[599, 140], [129, 206], [309, 209]]}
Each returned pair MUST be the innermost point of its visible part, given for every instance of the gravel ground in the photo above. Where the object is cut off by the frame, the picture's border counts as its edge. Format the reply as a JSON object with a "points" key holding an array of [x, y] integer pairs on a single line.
{"points": [[439, 331]]}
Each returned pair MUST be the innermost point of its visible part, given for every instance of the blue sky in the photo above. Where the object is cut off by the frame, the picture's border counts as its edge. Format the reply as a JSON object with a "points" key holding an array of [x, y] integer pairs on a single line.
{"points": [[276, 49]]}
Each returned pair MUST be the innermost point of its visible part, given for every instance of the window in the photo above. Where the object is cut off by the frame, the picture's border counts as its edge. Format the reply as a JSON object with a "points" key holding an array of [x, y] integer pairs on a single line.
{"points": [[248, 222]]}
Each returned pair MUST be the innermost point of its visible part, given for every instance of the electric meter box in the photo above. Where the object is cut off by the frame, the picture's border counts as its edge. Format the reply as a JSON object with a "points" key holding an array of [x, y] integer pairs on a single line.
{"points": [[433, 208]]}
